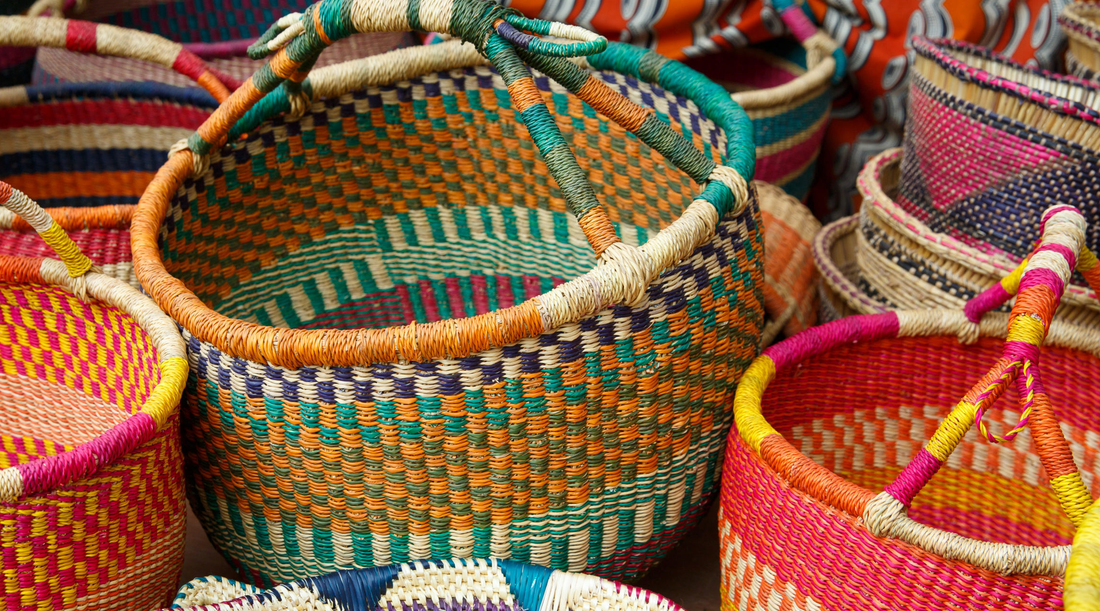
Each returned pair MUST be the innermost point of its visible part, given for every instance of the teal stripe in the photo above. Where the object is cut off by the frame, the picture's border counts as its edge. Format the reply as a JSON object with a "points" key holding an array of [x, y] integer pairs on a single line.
{"points": [[769, 130]]}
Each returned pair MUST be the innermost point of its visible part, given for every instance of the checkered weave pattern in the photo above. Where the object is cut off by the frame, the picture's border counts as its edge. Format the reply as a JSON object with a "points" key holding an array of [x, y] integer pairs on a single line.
{"points": [[589, 442], [91, 481]]}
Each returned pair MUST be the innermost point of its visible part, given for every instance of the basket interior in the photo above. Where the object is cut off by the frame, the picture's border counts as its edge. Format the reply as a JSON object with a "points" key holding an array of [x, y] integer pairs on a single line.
{"points": [[70, 371], [419, 201], [863, 411]]}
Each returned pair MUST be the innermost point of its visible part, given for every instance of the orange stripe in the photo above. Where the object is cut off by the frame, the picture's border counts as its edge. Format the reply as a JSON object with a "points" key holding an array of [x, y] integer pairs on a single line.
{"points": [[524, 93], [613, 104], [82, 184]]}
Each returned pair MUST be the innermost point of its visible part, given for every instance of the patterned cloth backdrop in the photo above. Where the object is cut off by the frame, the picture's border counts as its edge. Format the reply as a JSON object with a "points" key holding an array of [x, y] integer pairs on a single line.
{"points": [[867, 118]]}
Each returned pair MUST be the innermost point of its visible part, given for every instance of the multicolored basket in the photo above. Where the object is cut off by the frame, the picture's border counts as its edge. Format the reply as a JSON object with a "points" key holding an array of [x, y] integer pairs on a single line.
{"points": [[92, 507], [1081, 23], [989, 143], [489, 585], [802, 522], [402, 346], [218, 31], [884, 259], [790, 279], [784, 88]]}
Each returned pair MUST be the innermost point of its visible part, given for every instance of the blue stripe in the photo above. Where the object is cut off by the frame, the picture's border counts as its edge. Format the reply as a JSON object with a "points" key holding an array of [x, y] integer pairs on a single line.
{"points": [[774, 129], [799, 186], [88, 202], [138, 90], [83, 160]]}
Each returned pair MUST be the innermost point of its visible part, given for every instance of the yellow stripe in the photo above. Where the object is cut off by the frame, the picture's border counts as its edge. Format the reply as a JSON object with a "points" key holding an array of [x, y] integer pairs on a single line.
{"points": [[1086, 260], [1011, 282], [1082, 586], [1073, 495], [951, 430], [746, 403], [1026, 329], [165, 398], [69, 252]]}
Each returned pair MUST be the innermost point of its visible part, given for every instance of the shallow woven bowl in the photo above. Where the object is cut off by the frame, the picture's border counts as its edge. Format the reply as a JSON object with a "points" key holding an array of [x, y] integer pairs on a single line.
{"points": [[973, 173], [419, 198], [490, 585]]}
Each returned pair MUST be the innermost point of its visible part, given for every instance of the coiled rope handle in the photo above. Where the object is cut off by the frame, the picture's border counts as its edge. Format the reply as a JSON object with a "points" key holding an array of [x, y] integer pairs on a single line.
{"points": [[75, 272], [506, 38], [812, 38], [102, 39], [1038, 284]]}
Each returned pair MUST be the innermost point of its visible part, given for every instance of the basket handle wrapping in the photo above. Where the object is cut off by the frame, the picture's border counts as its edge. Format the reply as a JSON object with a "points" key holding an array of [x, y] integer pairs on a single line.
{"points": [[811, 37], [506, 38], [76, 272], [1082, 585], [103, 39]]}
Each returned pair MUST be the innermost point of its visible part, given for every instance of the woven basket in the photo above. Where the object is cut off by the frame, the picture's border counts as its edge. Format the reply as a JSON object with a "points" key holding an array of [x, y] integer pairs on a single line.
{"points": [[784, 88], [489, 585], [1080, 21], [885, 259], [987, 147], [790, 279], [218, 31], [456, 382], [91, 493], [803, 522]]}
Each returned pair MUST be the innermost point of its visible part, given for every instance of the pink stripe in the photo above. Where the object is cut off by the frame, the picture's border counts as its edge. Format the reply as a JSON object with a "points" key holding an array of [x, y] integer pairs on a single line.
{"points": [[1051, 212], [481, 293], [778, 165], [454, 297], [1067, 254], [505, 297], [80, 37], [914, 476], [816, 340], [427, 299], [1041, 277], [798, 22], [406, 303], [986, 301]]}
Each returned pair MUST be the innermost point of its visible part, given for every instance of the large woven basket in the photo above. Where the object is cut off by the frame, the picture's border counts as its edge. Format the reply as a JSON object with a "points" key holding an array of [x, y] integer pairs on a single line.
{"points": [[218, 31], [790, 278], [884, 258], [989, 143], [1081, 23], [489, 585], [402, 345], [91, 477], [805, 519], [784, 88]]}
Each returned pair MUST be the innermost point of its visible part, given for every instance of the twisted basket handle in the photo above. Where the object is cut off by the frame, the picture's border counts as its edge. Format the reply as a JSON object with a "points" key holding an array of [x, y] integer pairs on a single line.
{"points": [[76, 272], [811, 37], [499, 34], [102, 39]]}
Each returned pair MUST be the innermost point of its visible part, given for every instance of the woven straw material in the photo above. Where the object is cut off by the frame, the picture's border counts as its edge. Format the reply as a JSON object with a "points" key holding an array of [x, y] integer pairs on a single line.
{"points": [[884, 259], [1081, 23], [989, 143], [91, 493], [493, 585], [790, 278], [787, 102], [521, 417], [800, 514]]}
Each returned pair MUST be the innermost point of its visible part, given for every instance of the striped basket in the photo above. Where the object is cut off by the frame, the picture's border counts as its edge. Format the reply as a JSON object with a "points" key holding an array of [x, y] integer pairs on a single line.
{"points": [[883, 258], [1081, 23], [218, 31], [488, 585], [784, 88], [820, 508], [987, 147], [402, 345], [790, 278], [91, 497]]}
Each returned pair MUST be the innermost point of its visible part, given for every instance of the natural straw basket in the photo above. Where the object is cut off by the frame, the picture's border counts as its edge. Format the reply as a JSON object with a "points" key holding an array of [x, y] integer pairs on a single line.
{"points": [[91, 488], [800, 519], [989, 143], [790, 279], [891, 260], [457, 382], [489, 585], [784, 88], [1081, 23]]}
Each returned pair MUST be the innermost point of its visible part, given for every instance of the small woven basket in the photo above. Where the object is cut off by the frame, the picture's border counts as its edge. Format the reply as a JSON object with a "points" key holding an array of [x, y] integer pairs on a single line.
{"points": [[790, 278], [403, 347], [883, 258], [91, 476], [784, 88], [801, 522], [989, 143], [1081, 23], [489, 585]]}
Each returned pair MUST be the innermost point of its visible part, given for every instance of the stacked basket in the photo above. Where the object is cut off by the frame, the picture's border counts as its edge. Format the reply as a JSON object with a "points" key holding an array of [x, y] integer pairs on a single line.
{"points": [[1081, 23]]}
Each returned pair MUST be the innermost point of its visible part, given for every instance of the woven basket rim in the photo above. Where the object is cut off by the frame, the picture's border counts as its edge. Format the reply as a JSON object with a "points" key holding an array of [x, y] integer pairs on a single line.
{"points": [[111, 217], [259, 343], [1082, 20], [936, 50], [21, 95]]}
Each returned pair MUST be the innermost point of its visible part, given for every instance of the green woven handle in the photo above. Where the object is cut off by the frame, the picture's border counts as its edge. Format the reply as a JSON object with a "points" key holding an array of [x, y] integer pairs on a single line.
{"points": [[299, 40]]}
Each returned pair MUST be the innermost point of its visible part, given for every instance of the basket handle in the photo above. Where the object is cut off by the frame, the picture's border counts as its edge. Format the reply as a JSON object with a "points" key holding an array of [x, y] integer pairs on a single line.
{"points": [[503, 36], [812, 38], [1039, 290], [47, 473], [103, 39], [1082, 585]]}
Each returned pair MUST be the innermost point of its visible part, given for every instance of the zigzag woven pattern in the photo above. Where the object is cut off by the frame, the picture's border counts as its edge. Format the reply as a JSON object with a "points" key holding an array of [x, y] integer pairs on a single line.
{"points": [[592, 447]]}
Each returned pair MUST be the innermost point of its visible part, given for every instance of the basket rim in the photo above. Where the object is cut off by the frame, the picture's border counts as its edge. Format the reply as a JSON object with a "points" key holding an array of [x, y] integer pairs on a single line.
{"points": [[151, 91], [575, 300], [996, 264], [1080, 20]]}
